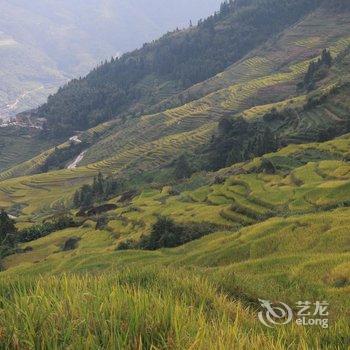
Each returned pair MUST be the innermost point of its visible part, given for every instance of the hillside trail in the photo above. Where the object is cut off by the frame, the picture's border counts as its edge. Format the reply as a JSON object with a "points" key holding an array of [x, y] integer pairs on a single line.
{"points": [[76, 161]]}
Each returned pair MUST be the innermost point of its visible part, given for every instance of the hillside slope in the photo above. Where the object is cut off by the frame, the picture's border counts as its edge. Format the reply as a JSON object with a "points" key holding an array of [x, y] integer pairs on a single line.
{"points": [[138, 81], [175, 223], [307, 201], [265, 80], [44, 44], [268, 74]]}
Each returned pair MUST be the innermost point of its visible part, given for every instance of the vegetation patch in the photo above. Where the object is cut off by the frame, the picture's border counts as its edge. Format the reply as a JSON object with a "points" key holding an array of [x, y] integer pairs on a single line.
{"points": [[165, 233]]}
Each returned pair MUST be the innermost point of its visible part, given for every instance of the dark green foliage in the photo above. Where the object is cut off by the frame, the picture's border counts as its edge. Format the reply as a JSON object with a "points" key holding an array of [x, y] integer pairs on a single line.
{"points": [[237, 141], [178, 60], [275, 116], [328, 133], [128, 244], [267, 166], [101, 223], [37, 231], [59, 158], [317, 70], [84, 198], [182, 168], [166, 233], [7, 234], [7, 228], [101, 189], [10, 237], [70, 244]]}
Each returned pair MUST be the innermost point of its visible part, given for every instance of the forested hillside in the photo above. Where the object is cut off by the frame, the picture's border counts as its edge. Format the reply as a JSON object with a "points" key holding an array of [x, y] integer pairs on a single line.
{"points": [[135, 83], [44, 43]]}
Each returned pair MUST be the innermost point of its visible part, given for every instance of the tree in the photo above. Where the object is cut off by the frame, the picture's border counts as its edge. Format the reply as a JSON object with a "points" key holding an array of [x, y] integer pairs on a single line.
{"points": [[317, 70], [225, 126], [182, 168], [326, 57], [165, 234], [267, 166], [86, 196], [98, 185]]}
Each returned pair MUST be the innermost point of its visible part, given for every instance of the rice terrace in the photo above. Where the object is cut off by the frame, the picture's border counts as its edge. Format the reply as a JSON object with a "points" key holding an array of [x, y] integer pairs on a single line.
{"points": [[192, 192]]}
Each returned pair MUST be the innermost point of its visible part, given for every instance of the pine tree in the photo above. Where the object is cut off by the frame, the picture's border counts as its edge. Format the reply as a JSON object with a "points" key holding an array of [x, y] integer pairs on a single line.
{"points": [[326, 58], [77, 199], [98, 185], [86, 197], [224, 127], [182, 168]]}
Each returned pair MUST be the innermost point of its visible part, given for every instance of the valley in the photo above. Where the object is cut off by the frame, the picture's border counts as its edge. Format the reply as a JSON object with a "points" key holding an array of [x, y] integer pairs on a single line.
{"points": [[157, 207]]}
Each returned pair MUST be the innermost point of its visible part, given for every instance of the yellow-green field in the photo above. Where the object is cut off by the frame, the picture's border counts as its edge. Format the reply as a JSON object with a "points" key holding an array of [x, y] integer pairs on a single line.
{"points": [[204, 294]]}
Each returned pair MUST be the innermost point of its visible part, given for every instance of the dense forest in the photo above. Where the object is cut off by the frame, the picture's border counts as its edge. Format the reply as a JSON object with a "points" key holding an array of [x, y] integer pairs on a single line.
{"points": [[236, 141], [138, 80]]}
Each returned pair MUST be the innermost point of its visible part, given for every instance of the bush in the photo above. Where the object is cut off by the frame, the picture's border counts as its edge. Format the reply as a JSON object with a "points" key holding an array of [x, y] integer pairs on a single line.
{"points": [[101, 223], [37, 231], [70, 244], [166, 233], [126, 245]]}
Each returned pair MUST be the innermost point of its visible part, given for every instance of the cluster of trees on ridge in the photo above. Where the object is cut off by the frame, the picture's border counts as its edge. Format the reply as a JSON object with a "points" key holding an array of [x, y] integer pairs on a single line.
{"points": [[317, 71], [10, 236], [101, 189], [180, 59], [105, 187], [166, 233], [236, 141], [60, 156]]}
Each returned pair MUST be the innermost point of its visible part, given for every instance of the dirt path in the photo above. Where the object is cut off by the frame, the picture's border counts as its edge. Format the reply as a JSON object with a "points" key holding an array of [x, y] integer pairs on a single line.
{"points": [[76, 161]]}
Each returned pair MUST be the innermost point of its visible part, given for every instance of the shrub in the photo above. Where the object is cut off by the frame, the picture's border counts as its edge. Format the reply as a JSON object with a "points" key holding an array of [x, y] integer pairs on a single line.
{"points": [[126, 245], [70, 244], [165, 233], [101, 223], [37, 231]]}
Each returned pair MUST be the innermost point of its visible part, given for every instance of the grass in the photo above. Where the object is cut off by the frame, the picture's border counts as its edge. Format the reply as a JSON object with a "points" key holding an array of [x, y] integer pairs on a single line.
{"points": [[201, 295], [17, 145], [147, 309]]}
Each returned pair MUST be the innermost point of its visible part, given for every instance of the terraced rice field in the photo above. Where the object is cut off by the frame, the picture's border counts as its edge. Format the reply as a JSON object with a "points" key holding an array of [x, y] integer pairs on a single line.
{"points": [[17, 146], [152, 141]]}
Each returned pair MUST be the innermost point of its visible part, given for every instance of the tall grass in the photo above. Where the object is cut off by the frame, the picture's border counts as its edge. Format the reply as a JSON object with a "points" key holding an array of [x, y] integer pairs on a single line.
{"points": [[149, 308]]}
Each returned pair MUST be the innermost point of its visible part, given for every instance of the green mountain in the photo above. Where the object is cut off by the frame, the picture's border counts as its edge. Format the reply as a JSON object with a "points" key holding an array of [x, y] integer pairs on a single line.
{"points": [[142, 81], [201, 192]]}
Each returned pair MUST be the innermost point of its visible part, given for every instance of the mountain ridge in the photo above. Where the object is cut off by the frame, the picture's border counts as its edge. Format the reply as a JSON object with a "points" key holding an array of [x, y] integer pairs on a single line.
{"points": [[168, 65]]}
